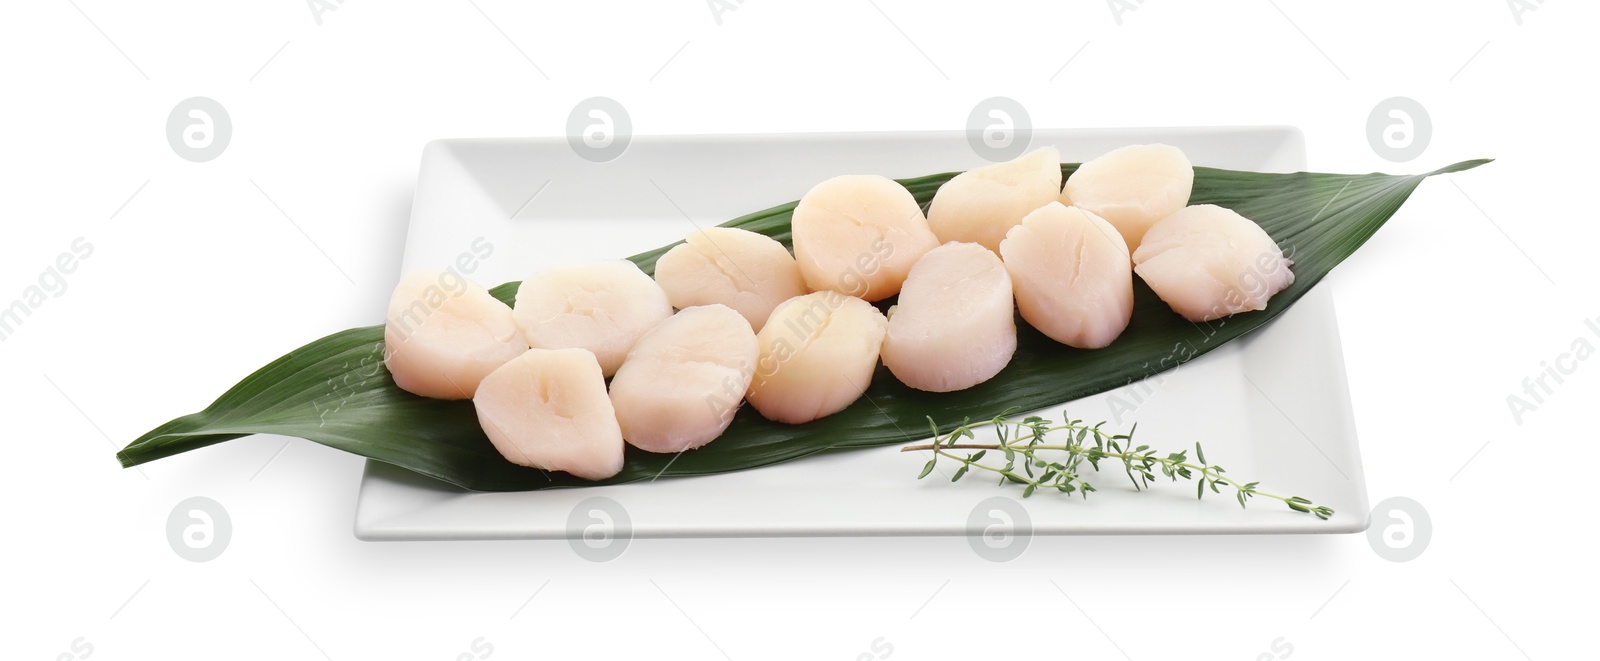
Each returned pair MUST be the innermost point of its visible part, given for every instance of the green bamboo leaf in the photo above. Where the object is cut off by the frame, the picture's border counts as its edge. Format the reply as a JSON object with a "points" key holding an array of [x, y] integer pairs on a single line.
{"points": [[336, 391]]}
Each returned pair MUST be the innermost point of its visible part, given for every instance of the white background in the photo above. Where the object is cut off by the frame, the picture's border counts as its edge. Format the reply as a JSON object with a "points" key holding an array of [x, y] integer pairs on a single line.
{"points": [[196, 280]]}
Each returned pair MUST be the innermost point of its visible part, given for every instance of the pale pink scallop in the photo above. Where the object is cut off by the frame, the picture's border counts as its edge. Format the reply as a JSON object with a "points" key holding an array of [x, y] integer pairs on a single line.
{"points": [[749, 272], [817, 356], [1132, 188], [952, 327], [684, 380], [1072, 274], [603, 307], [444, 334], [859, 235], [1208, 262], [982, 204], [548, 409]]}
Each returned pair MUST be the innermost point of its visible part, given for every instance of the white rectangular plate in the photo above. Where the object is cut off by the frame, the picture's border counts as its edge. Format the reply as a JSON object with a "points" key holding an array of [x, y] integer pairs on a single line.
{"points": [[1273, 406]]}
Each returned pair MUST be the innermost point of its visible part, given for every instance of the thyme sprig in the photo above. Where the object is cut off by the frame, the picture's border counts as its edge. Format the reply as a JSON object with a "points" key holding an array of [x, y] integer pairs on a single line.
{"points": [[1059, 466]]}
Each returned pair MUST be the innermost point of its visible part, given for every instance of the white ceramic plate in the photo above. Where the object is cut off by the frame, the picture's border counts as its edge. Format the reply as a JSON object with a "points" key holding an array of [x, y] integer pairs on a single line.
{"points": [[1273, 406]]}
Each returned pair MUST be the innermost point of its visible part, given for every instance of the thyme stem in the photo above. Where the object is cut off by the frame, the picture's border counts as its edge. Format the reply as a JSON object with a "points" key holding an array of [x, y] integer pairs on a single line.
{"points": [[1024, 441]]}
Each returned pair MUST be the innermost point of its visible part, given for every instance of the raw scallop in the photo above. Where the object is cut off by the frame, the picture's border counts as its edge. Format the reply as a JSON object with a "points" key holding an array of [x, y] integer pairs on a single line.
{"points": [[548, 409], [603, 307], [953, 327], [817, 355], [444, 334], [1072, 274], [1208, 262], [684, 380], [981, 205], [859, 235], [1132, 187], [749, 272]]}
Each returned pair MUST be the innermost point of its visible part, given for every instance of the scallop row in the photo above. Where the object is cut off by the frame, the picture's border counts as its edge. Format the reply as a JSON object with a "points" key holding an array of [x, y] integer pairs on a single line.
{"points": [[797, 336]]}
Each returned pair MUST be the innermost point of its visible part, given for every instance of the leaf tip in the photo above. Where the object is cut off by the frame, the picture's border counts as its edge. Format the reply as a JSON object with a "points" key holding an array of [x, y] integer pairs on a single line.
{"points": [[1460, 167]]}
